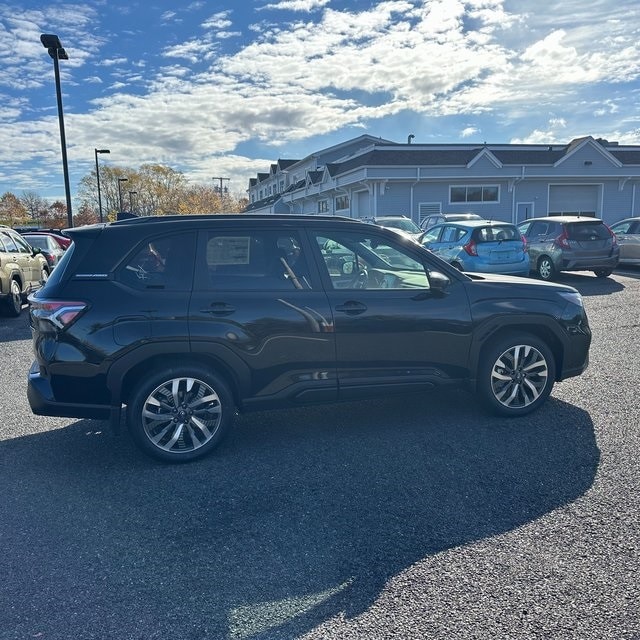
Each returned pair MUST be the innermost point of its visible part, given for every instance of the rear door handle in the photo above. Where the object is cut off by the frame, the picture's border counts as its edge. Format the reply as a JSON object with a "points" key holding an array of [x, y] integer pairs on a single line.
{"points": [[352, 308], [219, 309]]}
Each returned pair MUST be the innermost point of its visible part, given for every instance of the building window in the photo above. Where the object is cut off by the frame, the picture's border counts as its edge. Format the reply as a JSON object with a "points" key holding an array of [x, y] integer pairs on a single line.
{"points": [[281, 186], [342, 202], [323, 206], [260, 194], [474, 193]]}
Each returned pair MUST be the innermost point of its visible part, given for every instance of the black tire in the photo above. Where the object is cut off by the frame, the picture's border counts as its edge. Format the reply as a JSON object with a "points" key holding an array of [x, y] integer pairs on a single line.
{"points": [[546, 270], [44, 276], [516, 374], [13, 302], [194, 410], [603, 273]]}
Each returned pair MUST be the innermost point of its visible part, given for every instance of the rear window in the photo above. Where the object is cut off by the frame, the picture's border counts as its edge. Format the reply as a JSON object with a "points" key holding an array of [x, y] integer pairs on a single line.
{"points": [[587, 231], [495, 233]]}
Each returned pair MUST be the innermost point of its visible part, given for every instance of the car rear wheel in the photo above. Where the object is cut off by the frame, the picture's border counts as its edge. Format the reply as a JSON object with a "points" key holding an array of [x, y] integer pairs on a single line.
{"points": [[44, 276], [603, 273], [516, 375], [13, 303], [546, 268], [180, 414]]}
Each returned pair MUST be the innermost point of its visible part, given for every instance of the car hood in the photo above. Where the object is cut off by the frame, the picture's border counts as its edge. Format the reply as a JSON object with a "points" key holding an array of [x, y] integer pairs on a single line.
{"points": [[526, 286]]}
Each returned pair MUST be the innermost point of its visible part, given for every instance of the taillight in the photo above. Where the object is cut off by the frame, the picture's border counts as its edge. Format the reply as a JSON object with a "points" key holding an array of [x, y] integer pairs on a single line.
{"points": [[60, 313], [471, 248], [563, 240], [525, 248], [613, 235]]}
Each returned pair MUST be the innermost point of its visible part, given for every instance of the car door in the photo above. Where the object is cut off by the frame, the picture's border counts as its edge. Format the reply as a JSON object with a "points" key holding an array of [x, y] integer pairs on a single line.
{"points": [[393, 331], [258, 304], [540, 235], [447, 243], [628, 236], [19, 253]]}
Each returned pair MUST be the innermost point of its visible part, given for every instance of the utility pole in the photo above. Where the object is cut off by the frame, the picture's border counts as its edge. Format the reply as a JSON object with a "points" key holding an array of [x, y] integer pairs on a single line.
{"points": [[219, 189]]}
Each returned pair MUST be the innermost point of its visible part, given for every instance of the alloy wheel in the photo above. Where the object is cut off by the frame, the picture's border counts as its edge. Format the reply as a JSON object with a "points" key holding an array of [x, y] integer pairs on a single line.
{"points": [[519, 376], [181, 415]]}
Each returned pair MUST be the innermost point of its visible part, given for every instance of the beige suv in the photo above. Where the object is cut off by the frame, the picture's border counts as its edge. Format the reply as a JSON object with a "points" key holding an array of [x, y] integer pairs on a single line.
{"points": [[23, 269]]}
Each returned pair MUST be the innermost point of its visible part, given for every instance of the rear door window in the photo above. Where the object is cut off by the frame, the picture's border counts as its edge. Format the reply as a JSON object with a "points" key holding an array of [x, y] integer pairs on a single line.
{"points": [[253, 259]]}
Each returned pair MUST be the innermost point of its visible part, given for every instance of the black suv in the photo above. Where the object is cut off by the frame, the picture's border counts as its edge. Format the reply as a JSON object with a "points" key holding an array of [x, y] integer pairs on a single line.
{"points": [[187, 319]]}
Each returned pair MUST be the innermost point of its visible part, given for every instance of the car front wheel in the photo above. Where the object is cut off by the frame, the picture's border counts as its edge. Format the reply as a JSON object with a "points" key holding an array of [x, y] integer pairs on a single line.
{"points": [[603, 273], [516, 375], [180, 414]]}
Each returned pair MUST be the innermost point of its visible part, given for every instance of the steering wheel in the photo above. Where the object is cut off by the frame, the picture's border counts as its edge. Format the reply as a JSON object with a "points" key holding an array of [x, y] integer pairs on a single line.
{"points": [[361, 279]]}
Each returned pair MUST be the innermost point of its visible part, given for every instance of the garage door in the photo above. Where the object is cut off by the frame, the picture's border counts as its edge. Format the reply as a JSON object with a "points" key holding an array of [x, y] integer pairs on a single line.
{"points": [[576, 199]]}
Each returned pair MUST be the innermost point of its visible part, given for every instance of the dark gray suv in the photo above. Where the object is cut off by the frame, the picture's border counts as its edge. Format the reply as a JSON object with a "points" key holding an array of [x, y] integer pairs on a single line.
{"points": [[184, 320], [570, 243]]}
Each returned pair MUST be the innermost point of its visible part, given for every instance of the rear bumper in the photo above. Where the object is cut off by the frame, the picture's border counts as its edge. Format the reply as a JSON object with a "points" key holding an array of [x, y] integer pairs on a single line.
{"points": [[589, 264], [43, 402]]}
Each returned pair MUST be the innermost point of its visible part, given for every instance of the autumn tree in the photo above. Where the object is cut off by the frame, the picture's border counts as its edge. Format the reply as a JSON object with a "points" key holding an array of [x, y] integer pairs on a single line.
{"points": [[153, 189], [12, 211], [85, 215]]}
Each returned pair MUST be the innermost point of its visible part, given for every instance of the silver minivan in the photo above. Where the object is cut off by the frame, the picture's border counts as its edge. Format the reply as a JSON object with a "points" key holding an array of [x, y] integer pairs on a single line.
{"points": [[570, 243]]}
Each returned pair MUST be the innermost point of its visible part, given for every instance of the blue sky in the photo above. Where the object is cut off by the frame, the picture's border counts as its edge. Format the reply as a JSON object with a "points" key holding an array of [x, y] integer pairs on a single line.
{"points": [[226, 88]]}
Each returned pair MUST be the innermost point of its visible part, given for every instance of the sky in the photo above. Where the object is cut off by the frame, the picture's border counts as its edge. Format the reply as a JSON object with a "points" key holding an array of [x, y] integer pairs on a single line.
{"points": [[225, 88]]}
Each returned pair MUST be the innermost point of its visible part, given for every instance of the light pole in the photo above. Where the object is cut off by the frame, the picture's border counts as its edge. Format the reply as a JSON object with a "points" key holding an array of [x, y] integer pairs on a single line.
{"points": [[131, 194], [52, 43], [120, 181], [97, 151]]}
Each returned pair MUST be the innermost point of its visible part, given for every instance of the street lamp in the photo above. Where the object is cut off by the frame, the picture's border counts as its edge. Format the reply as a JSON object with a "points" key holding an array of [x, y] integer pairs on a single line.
{"points": [[52, 43], [97, 151], [131, 194], [120, 181]]}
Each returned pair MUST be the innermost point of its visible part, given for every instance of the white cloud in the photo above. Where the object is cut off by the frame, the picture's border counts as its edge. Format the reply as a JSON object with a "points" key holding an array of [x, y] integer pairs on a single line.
{"points": [[296, 5], [538, 77], [467, 132]]}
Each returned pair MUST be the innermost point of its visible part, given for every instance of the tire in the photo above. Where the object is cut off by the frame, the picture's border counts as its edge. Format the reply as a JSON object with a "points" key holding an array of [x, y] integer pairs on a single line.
{"points": [[13, 302], [516, 375], [546, 269], [457, 265], [44, 276], [180, 414], [603, 273]]}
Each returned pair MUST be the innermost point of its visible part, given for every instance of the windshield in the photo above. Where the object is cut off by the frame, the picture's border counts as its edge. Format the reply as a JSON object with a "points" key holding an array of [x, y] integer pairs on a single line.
{"points": [[403, 224]]}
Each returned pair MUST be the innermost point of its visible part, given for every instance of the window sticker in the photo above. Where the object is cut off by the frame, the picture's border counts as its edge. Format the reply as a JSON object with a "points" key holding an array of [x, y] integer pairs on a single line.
{"points": [[223, 250]]}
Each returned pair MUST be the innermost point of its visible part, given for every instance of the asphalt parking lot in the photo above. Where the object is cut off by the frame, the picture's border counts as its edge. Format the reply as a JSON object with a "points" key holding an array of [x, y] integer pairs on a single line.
{"points": [[418, 517]]}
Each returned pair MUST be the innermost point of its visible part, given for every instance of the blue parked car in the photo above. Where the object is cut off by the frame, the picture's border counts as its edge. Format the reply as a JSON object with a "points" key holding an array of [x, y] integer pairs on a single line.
{"points": [[480, 245]]}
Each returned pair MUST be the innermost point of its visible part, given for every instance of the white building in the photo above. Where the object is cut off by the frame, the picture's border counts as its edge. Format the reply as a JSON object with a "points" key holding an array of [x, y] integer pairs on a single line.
{"points": [[368, 177]]}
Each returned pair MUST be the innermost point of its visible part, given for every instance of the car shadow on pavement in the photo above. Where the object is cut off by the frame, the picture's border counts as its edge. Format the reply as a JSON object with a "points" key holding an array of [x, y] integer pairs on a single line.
{"points": [[301, 515], [589, 285]]}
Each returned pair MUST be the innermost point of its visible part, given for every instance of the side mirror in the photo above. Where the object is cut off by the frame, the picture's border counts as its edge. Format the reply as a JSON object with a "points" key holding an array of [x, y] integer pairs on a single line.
{"points": [[347, 268], [438, 282]]}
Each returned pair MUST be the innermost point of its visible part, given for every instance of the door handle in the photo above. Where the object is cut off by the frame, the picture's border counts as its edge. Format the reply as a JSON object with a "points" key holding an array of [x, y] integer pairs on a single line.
{"points": [[352, 308], [219, 309]]}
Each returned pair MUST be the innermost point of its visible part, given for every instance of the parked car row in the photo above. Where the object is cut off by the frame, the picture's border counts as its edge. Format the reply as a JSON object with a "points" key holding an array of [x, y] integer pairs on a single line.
{"points": [[541, 246], [26, 261]]}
